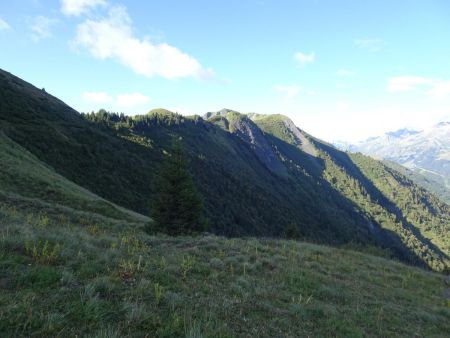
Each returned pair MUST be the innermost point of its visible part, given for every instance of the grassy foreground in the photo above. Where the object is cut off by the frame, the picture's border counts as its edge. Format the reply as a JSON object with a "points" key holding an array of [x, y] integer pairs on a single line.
{"points": [[71, 273], [73, 264]]}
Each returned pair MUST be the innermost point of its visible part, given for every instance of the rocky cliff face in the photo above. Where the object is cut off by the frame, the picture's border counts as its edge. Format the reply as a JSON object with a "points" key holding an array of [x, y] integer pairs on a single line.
{"points": [[248, 131], [304, 143]]}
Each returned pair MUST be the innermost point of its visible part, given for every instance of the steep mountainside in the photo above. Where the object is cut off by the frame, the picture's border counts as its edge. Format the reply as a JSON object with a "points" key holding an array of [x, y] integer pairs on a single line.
{"points": [[426, 152], [259, 174], [386, 197], [433, 183]]}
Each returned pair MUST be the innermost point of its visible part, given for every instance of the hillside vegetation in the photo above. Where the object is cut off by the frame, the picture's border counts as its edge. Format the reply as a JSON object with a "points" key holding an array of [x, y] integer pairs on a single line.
{"points": [[432, 182], [259, 175], [73, 263], [65, 273], [385, 196], [25, 179]]}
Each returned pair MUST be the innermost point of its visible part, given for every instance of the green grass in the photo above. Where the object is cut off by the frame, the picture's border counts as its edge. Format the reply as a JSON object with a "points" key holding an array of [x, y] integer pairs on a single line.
{"points": [[118, 281], [23, 177]]}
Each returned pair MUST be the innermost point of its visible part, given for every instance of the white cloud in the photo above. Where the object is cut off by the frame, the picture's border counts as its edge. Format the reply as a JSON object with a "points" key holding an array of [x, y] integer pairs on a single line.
{"points": [[4, 26], [132, 100], [126, 100], [304, 58], [292, 91], [78, 7], [435, 88], [289, 91], [112, 38], [41, 27], [345, 72], [371, 44], [407, 83], [97, 97]]}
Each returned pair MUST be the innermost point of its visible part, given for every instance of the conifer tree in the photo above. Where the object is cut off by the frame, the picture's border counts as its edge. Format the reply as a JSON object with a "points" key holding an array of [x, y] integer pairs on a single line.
{"points": [[177, 207]]}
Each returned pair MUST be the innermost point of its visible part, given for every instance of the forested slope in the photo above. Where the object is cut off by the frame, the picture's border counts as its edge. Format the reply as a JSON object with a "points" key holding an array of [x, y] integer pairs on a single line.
{"points": [[259, 175]]}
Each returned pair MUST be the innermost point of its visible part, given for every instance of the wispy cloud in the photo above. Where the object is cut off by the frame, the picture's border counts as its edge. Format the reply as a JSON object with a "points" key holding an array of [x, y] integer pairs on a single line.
{"points": [[345, 72], [304, 58], [435, 88], [407, 83], [132, 100], [97, 97], [78, 7], [4, 26], [112, 38], [292, 90], [41, 27], [289, 91], [126, 100], [371, 44]]}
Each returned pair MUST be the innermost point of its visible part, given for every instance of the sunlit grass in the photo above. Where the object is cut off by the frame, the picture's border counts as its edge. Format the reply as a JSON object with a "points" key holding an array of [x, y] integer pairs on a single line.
{"points": [[122, 282]]}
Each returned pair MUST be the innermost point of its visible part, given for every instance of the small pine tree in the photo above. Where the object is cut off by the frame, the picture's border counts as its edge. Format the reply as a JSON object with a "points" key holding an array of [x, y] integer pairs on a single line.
{"points": [[177, 208], [291, 231]]}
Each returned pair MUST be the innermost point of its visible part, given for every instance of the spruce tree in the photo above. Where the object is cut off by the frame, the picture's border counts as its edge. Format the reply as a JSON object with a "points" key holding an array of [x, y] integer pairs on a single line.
{"points": [[177, 205]]}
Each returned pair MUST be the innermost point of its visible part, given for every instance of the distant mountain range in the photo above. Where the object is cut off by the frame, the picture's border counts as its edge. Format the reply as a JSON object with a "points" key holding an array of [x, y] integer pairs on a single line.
{"points": [[425, 152]]}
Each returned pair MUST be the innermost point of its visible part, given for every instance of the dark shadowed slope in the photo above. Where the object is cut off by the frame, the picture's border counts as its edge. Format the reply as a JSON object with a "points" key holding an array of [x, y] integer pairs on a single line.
{"points": [[259, 175]]}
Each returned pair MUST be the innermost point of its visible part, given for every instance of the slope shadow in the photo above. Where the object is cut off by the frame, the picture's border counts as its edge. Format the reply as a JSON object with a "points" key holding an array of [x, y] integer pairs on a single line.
{"points": [[383, 237], [344, 160]]}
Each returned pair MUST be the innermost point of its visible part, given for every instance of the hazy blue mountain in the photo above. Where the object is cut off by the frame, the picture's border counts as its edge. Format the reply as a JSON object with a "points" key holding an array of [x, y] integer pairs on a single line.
{"points": [[425, 152]]}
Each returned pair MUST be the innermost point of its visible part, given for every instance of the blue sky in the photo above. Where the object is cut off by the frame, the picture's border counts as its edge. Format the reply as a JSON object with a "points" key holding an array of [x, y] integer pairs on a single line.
{"points": [[342, 70]]}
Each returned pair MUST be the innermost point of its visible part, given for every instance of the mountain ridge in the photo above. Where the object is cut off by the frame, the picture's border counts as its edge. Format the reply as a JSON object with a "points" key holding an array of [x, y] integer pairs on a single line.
{"points": [[328, 196]]}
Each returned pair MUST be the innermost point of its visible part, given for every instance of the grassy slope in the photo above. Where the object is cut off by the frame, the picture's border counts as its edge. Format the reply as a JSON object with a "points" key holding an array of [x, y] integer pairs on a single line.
{"points": [[84, 153], [103, 278], [24, 179]]}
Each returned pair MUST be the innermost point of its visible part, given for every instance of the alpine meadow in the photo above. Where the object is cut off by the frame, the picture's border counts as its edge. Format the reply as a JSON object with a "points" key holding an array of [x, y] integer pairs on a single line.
{"points": [[288, 217]]}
